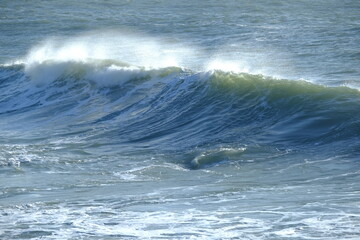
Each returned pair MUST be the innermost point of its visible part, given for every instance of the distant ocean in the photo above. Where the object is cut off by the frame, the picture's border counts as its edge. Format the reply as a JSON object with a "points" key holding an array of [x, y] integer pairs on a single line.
{"points": [[184, 119]]}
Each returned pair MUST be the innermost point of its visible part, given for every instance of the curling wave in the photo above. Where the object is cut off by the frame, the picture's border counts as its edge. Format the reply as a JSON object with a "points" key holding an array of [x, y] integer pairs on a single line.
{"points": [[178, 110]]}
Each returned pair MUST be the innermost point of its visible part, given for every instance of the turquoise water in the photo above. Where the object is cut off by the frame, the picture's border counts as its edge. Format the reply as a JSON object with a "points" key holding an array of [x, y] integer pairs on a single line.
{"points": [[179, 120]]}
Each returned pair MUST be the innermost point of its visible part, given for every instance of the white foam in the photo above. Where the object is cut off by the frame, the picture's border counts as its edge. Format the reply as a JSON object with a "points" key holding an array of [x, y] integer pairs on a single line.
{"points": [[46, 71], [47, 60], [133, 48], [287, 232], [101, 221], [241, 58], [227, 66], [130, 52], [114, 75]]}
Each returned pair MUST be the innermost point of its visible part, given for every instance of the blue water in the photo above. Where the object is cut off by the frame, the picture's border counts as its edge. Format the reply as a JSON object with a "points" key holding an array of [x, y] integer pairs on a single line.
{"points": [[179, 120]]}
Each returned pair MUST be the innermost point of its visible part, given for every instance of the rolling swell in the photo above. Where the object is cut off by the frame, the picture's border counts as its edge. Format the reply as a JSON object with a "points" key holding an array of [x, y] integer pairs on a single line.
{"points": [[178, 111]]}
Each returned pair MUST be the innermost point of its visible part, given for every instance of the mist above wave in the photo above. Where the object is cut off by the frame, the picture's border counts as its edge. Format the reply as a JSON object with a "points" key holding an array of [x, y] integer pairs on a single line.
{"points": [[150, 52]]}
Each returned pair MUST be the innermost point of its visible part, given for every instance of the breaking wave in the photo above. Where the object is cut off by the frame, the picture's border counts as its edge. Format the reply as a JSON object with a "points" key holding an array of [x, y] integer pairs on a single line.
{"points": [[178, 110]]}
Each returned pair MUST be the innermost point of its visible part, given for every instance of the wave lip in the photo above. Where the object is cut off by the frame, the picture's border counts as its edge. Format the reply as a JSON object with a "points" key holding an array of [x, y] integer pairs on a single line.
{"points": [[103, 72]]}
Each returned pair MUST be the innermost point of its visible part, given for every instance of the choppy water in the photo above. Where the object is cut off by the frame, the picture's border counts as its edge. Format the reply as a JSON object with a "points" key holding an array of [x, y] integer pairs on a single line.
{"points": [[179, 120]]}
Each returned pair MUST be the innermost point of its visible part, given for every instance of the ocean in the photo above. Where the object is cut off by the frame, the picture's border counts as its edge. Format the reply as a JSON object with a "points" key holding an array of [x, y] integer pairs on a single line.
{"points": [[165, 119]]}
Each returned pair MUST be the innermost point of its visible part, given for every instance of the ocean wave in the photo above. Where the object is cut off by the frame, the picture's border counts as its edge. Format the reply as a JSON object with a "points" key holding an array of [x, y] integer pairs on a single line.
{"points": [[177, 109]]}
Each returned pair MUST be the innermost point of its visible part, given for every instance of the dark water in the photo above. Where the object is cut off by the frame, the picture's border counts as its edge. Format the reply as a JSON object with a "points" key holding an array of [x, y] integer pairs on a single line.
{"points": [[158, 119]]}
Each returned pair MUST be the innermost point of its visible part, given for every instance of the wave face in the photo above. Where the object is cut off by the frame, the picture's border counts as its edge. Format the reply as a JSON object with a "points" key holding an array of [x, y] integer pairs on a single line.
{"points": [[177, 110]]}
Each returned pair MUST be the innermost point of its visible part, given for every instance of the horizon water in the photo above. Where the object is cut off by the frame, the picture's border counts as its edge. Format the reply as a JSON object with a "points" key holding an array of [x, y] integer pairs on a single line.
{"points": [[179, 120]]}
